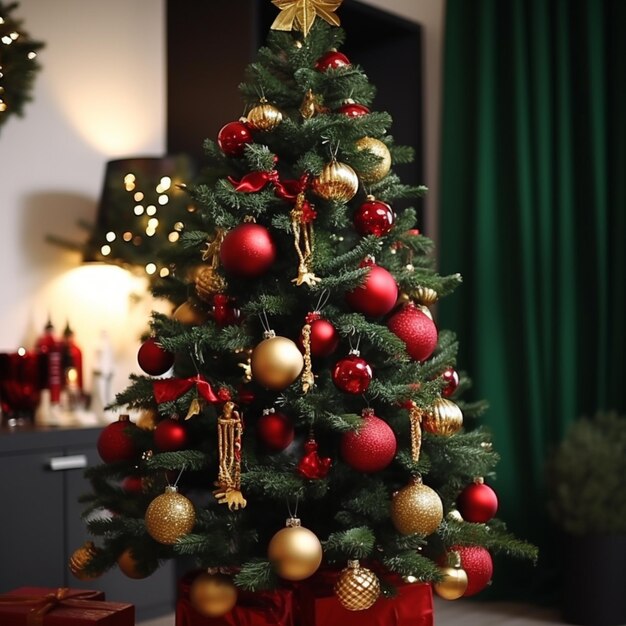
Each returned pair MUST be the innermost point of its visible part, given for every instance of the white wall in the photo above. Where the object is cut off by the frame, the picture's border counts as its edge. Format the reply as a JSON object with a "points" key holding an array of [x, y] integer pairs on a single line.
{"points": [[100, 95]]}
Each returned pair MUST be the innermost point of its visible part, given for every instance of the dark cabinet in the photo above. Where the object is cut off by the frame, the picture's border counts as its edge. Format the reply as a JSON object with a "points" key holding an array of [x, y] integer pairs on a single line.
{"points": [[40, 523]]}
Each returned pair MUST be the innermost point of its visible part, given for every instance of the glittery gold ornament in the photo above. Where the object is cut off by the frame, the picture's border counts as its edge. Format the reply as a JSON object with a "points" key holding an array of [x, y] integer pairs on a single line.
{"points": [[416, 508], [443, 418], [454, 583], [190, 314], [376, 147], [295, 551], [264, 116], [276, 362], [170, 516], [213, 595], [129, 566], [311, 105], [337, 181], [80, 559], [208, 283], [357, 588]]}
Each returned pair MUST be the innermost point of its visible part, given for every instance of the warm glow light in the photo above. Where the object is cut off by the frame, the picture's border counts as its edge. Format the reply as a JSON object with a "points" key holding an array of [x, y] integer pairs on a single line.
{"points": [[32, 55], [138, 196], [105, 250], [173, 237], [166, 182], [7, 40], [164, 272], [179, 226], [110, 236], [163, 200], [130, 186], [139, 209], [129, 178], [151, 268], [127, 236], [151, 210], [150, 231], [14, 35], [3, 106], [71, 375], [21, 351], [153, 222]]}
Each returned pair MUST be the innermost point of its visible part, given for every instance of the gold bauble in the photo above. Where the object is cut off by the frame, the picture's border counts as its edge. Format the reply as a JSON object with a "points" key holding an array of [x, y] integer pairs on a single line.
{"points": [[444, 417], [453, 585], [147, 419], [129, 566], [416, 508], [425, 296], [337, 181], [357, 588], [382, 167], [213, 595], [80, 559], [208, 282], [295, 552], [190, 314], [264, 116], [170, 516], [276, 362]]}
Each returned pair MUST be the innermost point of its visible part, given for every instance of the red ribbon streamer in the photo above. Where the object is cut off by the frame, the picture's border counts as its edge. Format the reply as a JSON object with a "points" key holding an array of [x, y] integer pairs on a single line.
{"points": [[257, 181], [170, 389]]}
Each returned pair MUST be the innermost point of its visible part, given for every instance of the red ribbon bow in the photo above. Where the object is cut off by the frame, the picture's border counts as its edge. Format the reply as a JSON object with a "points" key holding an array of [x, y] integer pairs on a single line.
{"points": [[311, 465], [170, 389], [284, 189]]}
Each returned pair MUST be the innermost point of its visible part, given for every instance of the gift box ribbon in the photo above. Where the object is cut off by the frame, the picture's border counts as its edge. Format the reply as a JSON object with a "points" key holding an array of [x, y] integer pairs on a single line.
{"points": [[45, 603]]}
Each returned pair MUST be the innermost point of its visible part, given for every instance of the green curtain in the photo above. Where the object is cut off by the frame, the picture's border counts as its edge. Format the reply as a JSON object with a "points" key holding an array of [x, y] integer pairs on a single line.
{"points": [[533, 214]]}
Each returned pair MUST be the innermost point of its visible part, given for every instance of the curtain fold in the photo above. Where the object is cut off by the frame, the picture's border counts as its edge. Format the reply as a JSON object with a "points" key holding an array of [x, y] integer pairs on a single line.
{"points": [[533, 214]]}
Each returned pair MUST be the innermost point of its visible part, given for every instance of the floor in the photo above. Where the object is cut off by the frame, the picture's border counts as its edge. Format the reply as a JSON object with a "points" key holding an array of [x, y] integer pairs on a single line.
{"points": [[466, 614]]}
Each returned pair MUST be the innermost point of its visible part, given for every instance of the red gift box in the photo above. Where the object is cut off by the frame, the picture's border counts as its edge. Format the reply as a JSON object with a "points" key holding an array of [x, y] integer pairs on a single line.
{"points": [[261, 608], [40, 606]]}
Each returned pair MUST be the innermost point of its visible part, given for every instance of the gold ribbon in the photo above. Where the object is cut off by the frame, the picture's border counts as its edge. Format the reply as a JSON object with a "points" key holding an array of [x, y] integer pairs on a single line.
{"points": [[43, 604], [415, 415]]}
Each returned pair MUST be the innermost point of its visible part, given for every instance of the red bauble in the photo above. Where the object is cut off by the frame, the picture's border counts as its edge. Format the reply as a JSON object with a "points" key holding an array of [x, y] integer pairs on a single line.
{"points": [[352, 374], [233, 137], [332, 60], [353, 109], [377, 295], [225, 312], [324, 338], [416, 329], [275, 431], [370, 448], [478, 564], [248, 251], [477, 503], [451, 377], [374, 217], [170, 435], [115, 443], [153, 359], [132, 484]]}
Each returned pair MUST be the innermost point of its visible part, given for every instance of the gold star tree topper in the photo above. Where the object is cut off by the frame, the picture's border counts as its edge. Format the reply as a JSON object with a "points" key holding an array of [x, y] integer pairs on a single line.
{"points": [[300, 14]]}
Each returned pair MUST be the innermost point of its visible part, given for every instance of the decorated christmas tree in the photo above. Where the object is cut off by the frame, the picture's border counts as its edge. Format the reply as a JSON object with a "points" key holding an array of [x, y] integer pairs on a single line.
{"points": [[309, 381]]}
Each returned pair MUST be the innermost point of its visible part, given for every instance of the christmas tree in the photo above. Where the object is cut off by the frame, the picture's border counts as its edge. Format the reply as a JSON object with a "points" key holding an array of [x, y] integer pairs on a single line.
{"points": [[309, 380]]}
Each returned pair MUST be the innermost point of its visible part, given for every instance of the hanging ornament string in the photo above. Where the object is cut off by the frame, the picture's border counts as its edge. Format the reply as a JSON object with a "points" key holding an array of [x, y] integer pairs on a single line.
{"points": [[265, 323], [415, 415], [229, 432], [300, 14], [182, 469]]}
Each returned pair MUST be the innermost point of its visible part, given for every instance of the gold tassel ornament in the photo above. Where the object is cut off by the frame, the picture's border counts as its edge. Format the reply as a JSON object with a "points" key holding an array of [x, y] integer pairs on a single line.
{"points": [[308, 380], [302, 216]]}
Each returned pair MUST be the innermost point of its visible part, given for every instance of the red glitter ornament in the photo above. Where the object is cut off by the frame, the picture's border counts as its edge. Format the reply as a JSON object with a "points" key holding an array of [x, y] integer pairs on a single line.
{"points": [[115, 443], [352, 374], [377, 295], [153, 359], [275, 430], [332, 60], [416, 329], [233, 137], [353, 109], [451, 377], [477, 503], [478, 565], [248, 251], [372, 447], [170, 435], [374, 217]]}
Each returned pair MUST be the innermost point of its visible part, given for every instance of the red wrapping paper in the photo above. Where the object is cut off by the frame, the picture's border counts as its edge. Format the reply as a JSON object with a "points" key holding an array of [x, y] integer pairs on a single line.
{"points": [[78, 608], [271, 608]]}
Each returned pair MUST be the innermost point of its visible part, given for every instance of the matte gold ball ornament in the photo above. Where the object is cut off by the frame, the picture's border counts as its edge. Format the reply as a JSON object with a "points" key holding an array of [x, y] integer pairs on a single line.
{"points": [[357, 588], [416, 508], [338, 181], [454, 583], [376, 147], [213, 595], [190, 314], [80, 559], [276, 362], [170, 516], [444, 418], [295, 551], [264, 116]]}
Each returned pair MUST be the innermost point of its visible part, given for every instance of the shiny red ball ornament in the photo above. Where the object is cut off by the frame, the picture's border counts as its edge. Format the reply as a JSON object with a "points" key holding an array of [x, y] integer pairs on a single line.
{"points": [[153, 359], [115, 443], [372, 447], [377, 295], [416, 329], [332, 60], [353, 109], [132, 484], [477, 503], [374, 217], [451, 376], [225, 313], [170, 435], [324, 336], [352, 374], [478, 565], [233, 137], [275, 430], [248, 251]]}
